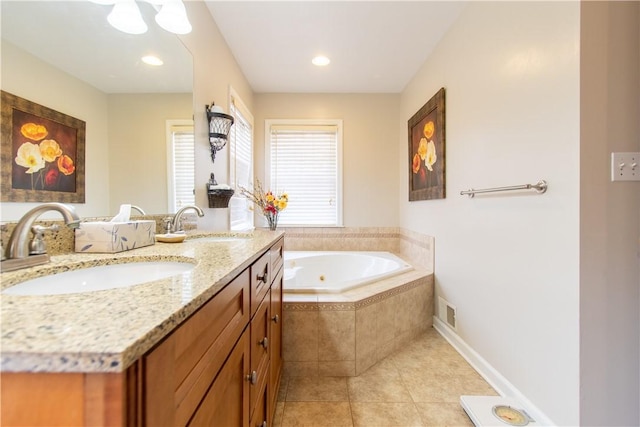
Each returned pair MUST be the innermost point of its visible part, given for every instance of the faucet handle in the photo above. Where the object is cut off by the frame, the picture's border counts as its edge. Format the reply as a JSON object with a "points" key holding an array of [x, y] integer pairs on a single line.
{"points": [[166, 224], [37, 245]]}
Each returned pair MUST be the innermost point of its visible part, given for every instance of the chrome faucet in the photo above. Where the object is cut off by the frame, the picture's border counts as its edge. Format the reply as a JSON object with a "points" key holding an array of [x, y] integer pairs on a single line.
{"points": [[20, 253], [174, 225]]}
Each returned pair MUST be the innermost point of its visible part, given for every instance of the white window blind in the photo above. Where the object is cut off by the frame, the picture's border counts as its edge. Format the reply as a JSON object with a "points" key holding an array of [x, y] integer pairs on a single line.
{"points": [[305, 162], [240, 165], [181, 164]]}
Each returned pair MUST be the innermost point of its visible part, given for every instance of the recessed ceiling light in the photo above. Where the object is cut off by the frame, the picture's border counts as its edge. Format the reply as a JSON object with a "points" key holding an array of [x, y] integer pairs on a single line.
{"points": [[320, 61], [152, 60]]}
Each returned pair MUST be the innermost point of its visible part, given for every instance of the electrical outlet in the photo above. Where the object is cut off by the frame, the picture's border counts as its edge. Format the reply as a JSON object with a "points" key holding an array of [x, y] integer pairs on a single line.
{"points": [[625, 166]]}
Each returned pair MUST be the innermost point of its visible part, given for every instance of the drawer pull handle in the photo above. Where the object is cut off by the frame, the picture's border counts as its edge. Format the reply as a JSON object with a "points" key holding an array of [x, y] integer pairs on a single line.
{"points": [[252, 377], [264, 424], [275, 318], [264, 342], [263, 277]]}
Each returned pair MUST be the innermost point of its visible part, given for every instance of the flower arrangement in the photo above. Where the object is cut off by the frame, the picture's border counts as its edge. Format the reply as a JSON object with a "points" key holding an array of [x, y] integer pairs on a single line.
{"points": [[269, 204], [45, 157]]}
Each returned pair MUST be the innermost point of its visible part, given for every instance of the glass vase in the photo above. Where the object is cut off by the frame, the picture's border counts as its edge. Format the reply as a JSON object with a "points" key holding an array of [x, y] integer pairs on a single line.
{"points": [[272, 219]]}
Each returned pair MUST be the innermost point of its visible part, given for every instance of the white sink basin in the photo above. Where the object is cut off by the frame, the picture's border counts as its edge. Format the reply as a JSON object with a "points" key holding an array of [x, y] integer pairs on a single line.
{"points": [[100, 278]]}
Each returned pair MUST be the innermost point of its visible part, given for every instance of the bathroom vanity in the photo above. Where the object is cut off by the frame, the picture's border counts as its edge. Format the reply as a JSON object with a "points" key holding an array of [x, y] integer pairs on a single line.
{"points": [[203, 348]]}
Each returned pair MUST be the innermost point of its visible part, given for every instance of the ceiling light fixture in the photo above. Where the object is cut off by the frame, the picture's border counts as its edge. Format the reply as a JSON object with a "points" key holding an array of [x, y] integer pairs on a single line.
{"points": [[126, 17], [173, 17], [152, 60], [320, 61]]}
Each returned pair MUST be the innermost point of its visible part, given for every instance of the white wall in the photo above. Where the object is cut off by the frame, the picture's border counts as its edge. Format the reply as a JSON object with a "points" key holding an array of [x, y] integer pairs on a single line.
{"points": [[138, 147], [370, 181], [509, 262], [215, 70], [609, 215], [28, 77]]}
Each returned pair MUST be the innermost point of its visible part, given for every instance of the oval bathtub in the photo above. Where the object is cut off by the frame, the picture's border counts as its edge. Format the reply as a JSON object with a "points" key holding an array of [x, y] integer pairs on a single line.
{"points": [[339, 271]]}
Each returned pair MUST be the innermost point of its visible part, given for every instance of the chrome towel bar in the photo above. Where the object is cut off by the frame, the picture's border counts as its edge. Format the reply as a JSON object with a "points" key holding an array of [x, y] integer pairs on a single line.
{"points": [[540, 187]]}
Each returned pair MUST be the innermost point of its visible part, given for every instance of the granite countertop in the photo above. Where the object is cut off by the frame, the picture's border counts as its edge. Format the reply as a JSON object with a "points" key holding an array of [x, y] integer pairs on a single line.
{"points": [[106, 331]]}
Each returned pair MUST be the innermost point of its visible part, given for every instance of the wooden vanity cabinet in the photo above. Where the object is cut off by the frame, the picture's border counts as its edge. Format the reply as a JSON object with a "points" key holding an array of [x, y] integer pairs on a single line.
{"points": [[214, 369], [222, 366]]}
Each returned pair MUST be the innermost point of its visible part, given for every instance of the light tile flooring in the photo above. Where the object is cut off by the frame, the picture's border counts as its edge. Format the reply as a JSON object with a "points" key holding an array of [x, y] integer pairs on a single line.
{"points": [[417, 386]]}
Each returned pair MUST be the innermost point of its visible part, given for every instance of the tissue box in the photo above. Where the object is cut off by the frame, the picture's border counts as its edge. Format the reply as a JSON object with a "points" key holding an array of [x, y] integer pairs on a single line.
{"points": [[111, 237]]}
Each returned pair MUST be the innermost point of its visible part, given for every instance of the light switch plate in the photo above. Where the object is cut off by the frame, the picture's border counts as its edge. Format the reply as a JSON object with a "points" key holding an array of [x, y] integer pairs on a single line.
{"points": [[625, 166]]}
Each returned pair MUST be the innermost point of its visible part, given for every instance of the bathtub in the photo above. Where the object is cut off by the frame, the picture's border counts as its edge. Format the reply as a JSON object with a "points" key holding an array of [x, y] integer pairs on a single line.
{"points": [[336, 272], [346, 311]]}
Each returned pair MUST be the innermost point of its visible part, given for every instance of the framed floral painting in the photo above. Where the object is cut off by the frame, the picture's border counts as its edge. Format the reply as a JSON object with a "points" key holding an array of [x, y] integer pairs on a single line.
{"points": [[427, 150], [42, 155]]}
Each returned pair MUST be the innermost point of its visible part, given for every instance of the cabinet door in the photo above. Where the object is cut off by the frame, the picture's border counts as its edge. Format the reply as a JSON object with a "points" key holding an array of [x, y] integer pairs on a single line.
{"points": [[275, 348], [260, 417], [227, 401], [260, 344], [179, 371]]}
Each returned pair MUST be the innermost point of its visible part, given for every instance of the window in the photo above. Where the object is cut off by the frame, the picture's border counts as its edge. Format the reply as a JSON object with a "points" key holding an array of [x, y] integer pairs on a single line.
{"points": [[304, 159], [180, 164], [240, 163]]}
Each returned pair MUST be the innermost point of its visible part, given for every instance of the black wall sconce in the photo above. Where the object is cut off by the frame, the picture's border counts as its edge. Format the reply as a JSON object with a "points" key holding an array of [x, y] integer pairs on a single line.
{"points": [[219, 127]]}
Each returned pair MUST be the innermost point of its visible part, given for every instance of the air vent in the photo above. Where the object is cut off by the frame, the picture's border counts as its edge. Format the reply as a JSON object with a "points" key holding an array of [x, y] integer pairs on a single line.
{"points": [[447, 312]]}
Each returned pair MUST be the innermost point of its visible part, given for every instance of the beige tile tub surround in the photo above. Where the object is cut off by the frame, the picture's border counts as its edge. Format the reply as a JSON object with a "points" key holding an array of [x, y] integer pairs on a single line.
{"points": [[346, 336]]}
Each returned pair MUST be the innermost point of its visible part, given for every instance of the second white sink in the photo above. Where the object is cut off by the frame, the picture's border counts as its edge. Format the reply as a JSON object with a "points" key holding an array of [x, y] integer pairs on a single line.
{"points": [[100, 278]]}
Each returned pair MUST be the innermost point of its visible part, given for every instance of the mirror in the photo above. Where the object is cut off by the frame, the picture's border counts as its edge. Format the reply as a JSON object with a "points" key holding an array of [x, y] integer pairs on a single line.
{"points": [[137, 99]]}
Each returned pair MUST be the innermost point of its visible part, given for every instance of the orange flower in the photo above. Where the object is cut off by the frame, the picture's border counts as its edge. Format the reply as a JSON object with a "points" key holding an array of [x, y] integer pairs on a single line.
{"points": [[34, 131], [416, 163], [429, 129], [65, 165]]}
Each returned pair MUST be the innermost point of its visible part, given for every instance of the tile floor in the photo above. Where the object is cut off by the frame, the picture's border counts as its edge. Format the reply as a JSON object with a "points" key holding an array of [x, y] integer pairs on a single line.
{"points": [[417, 386]]}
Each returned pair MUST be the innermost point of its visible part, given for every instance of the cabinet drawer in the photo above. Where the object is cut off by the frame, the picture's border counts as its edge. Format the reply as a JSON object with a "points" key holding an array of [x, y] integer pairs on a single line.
{"points": [[260, 280], [180, 370], [260, 344], [277, 257]]}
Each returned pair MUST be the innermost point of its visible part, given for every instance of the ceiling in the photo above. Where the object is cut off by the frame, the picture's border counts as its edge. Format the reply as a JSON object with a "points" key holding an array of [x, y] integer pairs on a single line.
{"points": [[75, 37], [374, 46]]}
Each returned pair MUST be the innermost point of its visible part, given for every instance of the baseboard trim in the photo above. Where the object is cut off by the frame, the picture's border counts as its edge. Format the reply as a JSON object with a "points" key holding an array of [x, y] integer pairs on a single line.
{"points": [[492, 376]]}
